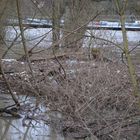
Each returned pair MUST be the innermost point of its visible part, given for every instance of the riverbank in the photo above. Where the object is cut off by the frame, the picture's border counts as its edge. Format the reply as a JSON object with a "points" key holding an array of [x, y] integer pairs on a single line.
{"points": [[93, 97]]}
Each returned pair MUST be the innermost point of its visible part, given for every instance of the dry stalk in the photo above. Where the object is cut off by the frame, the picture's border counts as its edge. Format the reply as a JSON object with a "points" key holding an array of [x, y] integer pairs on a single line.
{"points": [[24, 44]]}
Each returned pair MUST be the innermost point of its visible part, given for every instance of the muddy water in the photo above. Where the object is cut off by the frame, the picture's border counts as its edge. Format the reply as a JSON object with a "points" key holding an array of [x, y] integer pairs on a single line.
{"points": [[13, 129]]}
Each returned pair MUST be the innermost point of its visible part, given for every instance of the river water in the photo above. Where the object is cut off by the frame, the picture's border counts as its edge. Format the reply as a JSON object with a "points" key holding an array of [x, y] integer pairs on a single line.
{"points": [[33, 35], [13, 128]]}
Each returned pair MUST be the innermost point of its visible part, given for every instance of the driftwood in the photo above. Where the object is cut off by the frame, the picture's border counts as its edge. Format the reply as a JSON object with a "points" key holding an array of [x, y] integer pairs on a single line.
{"points": [[12, 111]]}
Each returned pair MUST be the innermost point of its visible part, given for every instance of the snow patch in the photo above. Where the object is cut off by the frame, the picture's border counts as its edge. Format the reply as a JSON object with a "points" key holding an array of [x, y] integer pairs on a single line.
{"points": [[9, 60]]}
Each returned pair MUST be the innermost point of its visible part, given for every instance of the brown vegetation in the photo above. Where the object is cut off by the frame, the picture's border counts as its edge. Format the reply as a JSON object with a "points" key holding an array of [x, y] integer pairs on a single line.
{"points": [[95, 98]]}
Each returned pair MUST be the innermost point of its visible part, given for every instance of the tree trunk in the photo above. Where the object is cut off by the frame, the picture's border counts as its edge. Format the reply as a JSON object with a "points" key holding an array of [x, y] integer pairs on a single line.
{"points": [[57, 12], [131, 68]]}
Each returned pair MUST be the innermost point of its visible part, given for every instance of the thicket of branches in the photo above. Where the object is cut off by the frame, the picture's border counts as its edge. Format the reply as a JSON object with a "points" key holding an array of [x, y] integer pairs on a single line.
{"points": [[96, 92]]}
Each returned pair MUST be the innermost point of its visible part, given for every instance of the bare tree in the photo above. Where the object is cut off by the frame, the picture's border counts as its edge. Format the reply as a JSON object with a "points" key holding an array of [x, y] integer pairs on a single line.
{"points": [[57, 13], [121, 7]]}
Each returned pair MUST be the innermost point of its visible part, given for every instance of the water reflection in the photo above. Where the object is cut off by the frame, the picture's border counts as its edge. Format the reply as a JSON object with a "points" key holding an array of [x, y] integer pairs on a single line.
{"points": [[13, 128]]}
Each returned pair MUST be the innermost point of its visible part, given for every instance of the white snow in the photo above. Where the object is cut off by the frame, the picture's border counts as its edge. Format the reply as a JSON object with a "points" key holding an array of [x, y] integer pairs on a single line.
{"points": [[9, 60]]}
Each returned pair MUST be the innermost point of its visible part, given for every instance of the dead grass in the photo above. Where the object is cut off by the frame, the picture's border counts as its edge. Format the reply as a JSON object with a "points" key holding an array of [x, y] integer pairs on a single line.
{"points": [[94, 99]]}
